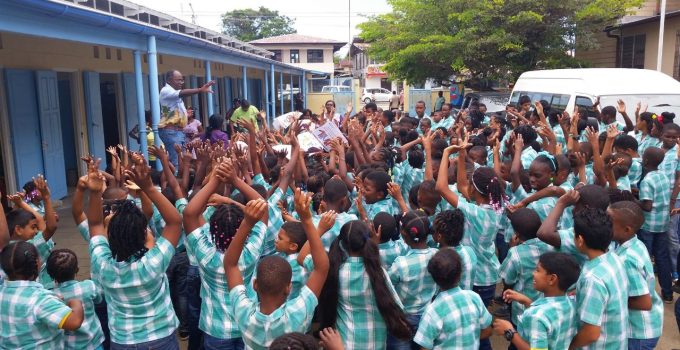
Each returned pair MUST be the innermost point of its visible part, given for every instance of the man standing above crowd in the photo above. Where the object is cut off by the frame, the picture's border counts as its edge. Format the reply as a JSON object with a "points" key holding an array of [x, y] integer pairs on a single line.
{"points": [[173, 112]]}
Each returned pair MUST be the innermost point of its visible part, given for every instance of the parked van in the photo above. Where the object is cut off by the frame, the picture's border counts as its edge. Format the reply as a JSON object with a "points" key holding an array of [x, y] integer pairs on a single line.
{"points": [[566, 88]]}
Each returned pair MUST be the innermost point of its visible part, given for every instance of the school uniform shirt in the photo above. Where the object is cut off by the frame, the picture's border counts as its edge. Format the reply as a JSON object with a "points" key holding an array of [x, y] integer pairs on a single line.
{"points": [[453, 320], [157, 224], [645, 142], [549, 323], [90, 335], [44, 249], [602, 299], [216, 318], [669, 166], [411, 177], [528, 155], [517, 270], [274, 222], [568, 245], [623, 183], [136, 291], [40, 207], [641, 281], [480, 234], [567, 219], [180, 205], [31, 316], [359, 321], [469, 260], [390, 250], [340, 220], [542, 207], [635, 172], [385, 205], [259, 330], [657, 188], [410, 279], [559, 137]]}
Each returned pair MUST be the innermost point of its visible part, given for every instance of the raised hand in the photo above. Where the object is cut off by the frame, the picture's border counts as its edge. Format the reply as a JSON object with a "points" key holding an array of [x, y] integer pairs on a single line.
{"points": [[303, 202], [16, 199], [519, 143], [255, 210], [570, 198], [612, 131], [327, 221], [131, 186], [41, 186], [394, 190], [621, 106], [139, 172], [159, 152], [95, 180]]}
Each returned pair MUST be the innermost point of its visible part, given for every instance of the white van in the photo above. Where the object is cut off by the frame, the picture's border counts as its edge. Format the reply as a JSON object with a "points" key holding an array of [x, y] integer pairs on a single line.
{"points": [[566, 88]]}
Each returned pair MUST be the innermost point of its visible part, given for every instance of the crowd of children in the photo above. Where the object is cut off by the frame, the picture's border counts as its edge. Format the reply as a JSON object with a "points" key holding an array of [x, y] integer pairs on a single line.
{"points": [[398, 237]]}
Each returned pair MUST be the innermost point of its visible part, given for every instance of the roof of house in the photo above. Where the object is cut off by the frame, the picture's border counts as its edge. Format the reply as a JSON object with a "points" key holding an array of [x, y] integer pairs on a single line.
{"points": [[629, 21], [295, 39]]}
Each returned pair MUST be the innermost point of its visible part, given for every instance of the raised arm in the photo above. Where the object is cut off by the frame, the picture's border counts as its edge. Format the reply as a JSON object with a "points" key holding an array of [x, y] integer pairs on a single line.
{"points": [[78, 204], [621, 106], [442, 185], [427, 145], [50, 214], [252, 146], [173, 221], [95, 212], [4, 230], [548, 230], [516, 167], [162, 155], [206, 88], [598, 164], [192, 213], [317, 277], [254, 210]]}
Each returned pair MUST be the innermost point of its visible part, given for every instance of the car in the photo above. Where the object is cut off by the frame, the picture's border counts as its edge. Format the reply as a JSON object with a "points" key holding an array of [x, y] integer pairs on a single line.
{"points": [[376, 95], [336, 88], [493, 100]]}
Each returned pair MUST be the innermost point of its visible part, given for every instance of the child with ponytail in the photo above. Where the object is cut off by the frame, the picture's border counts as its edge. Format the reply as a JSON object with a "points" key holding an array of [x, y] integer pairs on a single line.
{"points": [[358, 298], [483, 210], [414, 286]]}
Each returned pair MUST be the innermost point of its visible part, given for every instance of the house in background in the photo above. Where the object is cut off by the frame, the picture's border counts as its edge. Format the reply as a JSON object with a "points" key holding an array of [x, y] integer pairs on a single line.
{"points": [[367, 69], [633, 41], [306, 52]]}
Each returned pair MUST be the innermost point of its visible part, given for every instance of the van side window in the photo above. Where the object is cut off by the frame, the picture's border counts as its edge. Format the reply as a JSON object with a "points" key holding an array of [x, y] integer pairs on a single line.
{"points": [[583, 102]]}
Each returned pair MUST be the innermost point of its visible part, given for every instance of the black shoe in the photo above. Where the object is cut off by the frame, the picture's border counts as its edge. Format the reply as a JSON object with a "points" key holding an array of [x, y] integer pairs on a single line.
{"points": [[668, 299]]}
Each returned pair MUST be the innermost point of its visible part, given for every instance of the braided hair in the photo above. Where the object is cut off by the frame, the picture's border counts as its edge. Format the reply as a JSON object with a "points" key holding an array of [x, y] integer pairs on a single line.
{"points": [[127, 232], [223, 225], [450, 224], [485, 181], [62, 265], [415, 226], [20, 260]]}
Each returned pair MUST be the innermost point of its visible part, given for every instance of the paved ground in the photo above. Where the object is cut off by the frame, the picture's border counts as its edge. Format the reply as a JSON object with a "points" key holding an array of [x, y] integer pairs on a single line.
{"points": [[67, 236]]}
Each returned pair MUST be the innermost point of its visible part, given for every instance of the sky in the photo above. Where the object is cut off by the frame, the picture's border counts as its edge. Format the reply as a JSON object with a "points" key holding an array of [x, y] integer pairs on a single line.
{"points": [[321, 18]]}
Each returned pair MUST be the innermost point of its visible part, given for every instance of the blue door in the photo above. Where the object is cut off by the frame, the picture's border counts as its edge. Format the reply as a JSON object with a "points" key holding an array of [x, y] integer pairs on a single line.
{"points": [[50, 126], [24, 121], [93, 112], [131, 108]]}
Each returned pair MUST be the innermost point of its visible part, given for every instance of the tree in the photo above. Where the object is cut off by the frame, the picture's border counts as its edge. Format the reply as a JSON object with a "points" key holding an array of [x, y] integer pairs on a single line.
{"points": [[423, 39], [251, 24]]}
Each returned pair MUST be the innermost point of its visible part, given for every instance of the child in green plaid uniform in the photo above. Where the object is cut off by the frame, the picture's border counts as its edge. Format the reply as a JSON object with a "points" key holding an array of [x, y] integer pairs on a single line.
{"points": [[645, 308], [655, 198], [363, 314], [62, 265], [517, 268], [628, 144], [456, 318], [449, 227], [542, 173], [336, 198], [32, 316], [376, 196], [601, 292], [130, 266], [548, 322], [274, 315], [207, 241], [391, 245], [408, 274]]}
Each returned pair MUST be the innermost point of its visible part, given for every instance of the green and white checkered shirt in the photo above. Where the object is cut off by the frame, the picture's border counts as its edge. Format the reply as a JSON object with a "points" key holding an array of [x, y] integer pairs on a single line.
{"points": [[410, 279], [602, 299], [657, 188], [517, 270], [137, 292], [31, 316], [646, 142], [549, 323], [44, 249], [670, 164], [559, 137], [635, 172], [359, 321], [528, 156], [469, 259], [340, 220], [567, 245], [542, 207], [410, 177], [453, 320], [90, 335], [641, 281], [274, 223], [387, 205], [482, 224], [390, 250], [260, 330]]}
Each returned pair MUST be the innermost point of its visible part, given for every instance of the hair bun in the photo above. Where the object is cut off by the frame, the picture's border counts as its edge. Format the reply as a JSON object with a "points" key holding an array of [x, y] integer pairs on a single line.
{"points": [[668, 117]]}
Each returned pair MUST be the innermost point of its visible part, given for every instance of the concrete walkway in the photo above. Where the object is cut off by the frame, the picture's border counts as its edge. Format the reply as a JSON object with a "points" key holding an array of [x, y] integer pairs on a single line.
{"points": [[67, 236]]}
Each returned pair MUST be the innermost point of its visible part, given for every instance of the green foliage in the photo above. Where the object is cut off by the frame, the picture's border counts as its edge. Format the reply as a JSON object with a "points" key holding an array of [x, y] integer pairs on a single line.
{"points": [[423, 39], [251, 24]]}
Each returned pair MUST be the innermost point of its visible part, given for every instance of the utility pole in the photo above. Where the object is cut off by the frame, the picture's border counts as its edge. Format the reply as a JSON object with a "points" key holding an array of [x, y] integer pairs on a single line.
{"points": [[193, 14], [349, 35], [662, 25]]}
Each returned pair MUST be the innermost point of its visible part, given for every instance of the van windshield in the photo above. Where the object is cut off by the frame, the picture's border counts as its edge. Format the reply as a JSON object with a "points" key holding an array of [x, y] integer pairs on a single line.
{"points": [[656, 103]]}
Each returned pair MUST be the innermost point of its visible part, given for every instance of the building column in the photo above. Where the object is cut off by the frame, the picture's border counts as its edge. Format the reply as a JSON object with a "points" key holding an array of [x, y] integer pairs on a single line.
{"points": [[266, 94], [208, 77], [303, 89], [139, 86], [154, 93], [281, 92], [245, 82], [292, 100], [272, 92]]}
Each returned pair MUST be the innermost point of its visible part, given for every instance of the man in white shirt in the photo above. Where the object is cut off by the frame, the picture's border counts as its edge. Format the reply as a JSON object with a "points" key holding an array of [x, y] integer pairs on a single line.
{"points": [[173, 112]]}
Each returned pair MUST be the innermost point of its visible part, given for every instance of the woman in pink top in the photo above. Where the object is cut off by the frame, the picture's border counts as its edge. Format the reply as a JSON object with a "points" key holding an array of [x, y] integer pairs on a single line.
{"points": [[193, 127]]}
